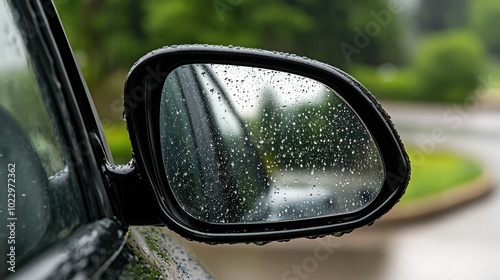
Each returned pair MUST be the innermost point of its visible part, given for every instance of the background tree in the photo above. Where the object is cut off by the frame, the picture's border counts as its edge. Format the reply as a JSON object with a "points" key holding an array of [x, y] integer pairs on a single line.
{"points": [[448, 66], [438, 15], [110, 35], [337, 22], [483, 19]]}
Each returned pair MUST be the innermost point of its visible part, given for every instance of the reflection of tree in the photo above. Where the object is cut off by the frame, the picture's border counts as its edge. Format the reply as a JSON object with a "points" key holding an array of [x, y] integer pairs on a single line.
{"points": [[270, 132], [315, 135], [218, 164]]}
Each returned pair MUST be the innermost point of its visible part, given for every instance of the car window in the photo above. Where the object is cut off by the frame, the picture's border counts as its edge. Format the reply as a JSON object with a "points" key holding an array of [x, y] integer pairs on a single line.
{"points": [[40, 202]]}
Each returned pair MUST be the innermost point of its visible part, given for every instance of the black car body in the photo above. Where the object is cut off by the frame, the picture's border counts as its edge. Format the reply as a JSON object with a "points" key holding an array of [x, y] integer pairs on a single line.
{"points": [[70, 212]]}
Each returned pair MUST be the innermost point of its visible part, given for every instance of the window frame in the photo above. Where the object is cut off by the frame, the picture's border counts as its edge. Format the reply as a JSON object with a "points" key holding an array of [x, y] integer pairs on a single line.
{"points": [[82, 132]]}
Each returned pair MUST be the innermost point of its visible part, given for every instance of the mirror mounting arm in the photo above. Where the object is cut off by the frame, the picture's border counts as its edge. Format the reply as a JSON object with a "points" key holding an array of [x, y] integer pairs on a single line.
{"points": [[129, 193], [131, 197]]}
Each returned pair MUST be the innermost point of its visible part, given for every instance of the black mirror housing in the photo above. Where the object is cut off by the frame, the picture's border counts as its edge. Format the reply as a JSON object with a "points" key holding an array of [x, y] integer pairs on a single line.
{"points": [[142, 99]]}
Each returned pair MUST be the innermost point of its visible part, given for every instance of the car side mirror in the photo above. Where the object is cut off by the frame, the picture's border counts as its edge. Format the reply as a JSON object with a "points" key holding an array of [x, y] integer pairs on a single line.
{"points": [[244, 145]]}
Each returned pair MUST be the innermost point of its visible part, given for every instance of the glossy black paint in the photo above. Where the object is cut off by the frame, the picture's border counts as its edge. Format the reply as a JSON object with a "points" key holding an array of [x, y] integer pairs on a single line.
{"points": [[102, 240], [142, 98]]}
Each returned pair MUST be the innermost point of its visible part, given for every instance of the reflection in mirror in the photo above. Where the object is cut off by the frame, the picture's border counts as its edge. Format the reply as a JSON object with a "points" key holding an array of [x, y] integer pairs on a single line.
{"points": [[250, 145]]}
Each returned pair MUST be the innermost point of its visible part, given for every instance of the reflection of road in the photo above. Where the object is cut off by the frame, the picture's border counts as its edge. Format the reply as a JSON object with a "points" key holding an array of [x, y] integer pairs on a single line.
{"points": [[300, 194], [459, 244]]}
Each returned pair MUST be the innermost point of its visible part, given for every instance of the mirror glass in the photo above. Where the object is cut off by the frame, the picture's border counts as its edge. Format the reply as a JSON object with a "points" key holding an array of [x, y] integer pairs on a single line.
{"points": [[250, 145]]}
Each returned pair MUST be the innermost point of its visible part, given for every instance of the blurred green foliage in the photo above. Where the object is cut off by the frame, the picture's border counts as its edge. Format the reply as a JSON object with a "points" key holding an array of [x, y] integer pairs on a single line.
{"points": [[483, 19], [388, 83], [108, 36], [247, 23], [448, 65], [445, 68], [119, 143], [114, 33], [440, 15]]}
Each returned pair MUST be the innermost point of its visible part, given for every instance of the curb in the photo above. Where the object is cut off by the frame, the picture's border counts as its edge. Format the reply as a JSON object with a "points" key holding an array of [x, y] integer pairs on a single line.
{"points": [[441, 202]]}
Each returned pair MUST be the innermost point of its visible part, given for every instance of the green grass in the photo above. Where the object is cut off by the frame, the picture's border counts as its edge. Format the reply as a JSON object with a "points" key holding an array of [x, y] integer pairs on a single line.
{"points": [[438, 172]]}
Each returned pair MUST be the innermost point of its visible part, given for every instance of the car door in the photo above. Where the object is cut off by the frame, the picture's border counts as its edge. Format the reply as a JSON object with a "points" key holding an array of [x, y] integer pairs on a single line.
{"points": [[58, 219]]}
